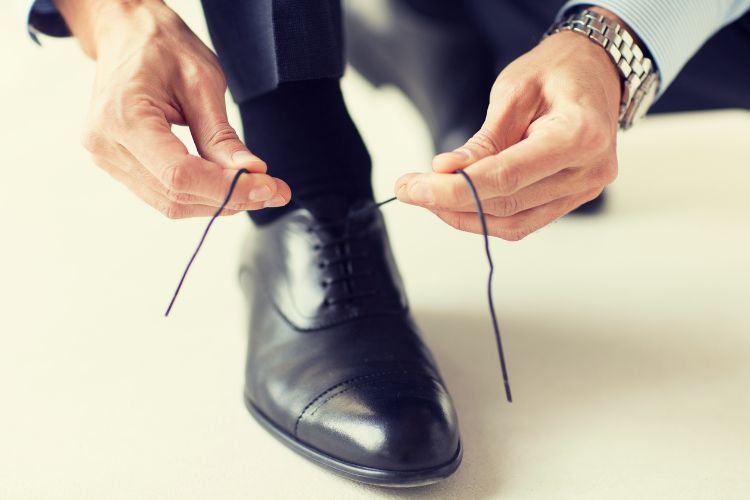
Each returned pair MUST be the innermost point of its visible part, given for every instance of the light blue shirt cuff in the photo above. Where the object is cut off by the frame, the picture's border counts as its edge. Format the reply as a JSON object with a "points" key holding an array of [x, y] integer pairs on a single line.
{"points": [[672, 30], [43, 17]]}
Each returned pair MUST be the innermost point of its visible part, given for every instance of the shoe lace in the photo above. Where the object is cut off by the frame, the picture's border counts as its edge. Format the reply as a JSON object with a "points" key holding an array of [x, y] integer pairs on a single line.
{"points": [[336, 252], [348, 258]]}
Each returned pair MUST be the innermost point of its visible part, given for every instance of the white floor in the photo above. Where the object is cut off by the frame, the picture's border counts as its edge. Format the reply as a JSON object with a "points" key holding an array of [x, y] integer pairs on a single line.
{"points": [[628, 334]]}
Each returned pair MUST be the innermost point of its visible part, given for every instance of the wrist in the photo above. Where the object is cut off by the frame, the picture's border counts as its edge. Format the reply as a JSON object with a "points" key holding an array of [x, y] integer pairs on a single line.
{"points": [[592, 63], [639, 79], [100, 24]]}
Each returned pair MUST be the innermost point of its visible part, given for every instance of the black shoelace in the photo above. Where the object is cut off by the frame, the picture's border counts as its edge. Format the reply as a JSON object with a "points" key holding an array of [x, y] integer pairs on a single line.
{"points": [[485, 232]]}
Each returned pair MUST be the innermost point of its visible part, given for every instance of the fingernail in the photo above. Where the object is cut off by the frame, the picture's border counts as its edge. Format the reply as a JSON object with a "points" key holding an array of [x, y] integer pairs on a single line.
{"points": [[243, 158], [260, 193], [276, 201], [421, 193]]}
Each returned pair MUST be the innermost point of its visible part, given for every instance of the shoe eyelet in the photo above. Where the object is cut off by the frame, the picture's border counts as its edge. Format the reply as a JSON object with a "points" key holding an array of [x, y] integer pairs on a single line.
{"points": [[316, 247], [325, 284], [322, 265]]}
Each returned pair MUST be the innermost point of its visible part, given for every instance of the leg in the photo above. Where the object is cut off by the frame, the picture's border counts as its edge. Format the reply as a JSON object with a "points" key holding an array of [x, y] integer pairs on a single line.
{"points": [[334, 355], [283, 59]]}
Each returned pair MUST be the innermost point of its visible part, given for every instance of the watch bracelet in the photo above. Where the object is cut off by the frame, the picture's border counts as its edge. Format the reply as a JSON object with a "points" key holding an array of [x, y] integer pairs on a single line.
{"points": [[629, 59]]}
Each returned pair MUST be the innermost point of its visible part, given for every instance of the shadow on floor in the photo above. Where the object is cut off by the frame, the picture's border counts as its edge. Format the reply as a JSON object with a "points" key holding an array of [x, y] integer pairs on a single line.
{"points": [[562, 367]]}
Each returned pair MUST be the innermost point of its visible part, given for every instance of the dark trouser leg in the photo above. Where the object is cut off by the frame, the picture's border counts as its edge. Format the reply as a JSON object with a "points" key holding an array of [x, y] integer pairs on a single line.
{"points": [[282, 60]]}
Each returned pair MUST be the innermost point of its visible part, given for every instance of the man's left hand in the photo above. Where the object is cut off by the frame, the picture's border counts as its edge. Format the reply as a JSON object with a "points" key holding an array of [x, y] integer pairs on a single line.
{"points": [[548, 144]]}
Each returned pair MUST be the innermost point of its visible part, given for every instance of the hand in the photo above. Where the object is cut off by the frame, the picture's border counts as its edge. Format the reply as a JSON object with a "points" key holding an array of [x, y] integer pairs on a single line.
{"points": [[548, 144], [152, 72]]}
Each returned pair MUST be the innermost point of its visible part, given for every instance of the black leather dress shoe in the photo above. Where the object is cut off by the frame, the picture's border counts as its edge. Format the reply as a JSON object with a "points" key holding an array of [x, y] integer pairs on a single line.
{"points": [[336, 369], [444, 68]]}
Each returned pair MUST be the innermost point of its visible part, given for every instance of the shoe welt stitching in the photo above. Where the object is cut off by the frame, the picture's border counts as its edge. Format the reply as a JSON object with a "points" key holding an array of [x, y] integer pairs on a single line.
{"points": [[355, 386], [341, 384]]}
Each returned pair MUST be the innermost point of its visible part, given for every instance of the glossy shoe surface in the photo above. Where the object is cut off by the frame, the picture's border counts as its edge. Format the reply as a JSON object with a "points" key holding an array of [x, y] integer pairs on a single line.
{"points": [[336, 369]]}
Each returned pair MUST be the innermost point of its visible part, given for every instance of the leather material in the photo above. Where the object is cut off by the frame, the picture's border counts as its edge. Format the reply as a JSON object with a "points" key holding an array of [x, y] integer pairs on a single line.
{"points": [[334, 359], [389, 42]]}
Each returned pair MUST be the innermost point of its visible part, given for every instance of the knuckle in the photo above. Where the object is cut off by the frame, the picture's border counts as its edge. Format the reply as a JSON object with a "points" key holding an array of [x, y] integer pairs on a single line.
{"points": [[603, 176], [177, 177], [582, 128], [590, 133], [198, 74], [574, 129], [506, 180], [503, 207], [593, 194], [514, 233], [193, 74], [91, 140], [512, 230], [456, 193], [125, 111], [484, 142], [178, 197], [598, 176], [172, 210], [511, 88], [99, 160], [220, 133], [461, 223], [595, 137], [451, 219]]}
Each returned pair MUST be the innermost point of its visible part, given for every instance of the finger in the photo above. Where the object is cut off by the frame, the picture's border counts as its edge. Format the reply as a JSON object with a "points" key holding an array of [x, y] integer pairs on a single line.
{"points": [[567, 182], [540, 155], [119, 164], [512, 108], [206, 115], [168, 208], [147, 136], [518, 226]]}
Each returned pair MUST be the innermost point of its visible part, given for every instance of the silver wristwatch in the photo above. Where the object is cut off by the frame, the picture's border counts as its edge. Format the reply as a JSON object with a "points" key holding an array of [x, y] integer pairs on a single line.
{"points": [[640, 78]]}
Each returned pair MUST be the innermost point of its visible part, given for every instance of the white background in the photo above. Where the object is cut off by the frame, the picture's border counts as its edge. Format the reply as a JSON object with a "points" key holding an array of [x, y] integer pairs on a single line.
{"points": [[628, 334]]}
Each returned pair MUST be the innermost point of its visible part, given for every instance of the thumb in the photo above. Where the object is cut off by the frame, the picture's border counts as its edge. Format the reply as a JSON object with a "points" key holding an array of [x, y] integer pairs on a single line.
{"points": [[480, 145], [214, 137], [508, 117]]}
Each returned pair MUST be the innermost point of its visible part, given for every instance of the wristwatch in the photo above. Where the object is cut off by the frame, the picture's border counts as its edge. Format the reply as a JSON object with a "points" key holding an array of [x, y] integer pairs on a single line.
{"points": [[639, 76]]}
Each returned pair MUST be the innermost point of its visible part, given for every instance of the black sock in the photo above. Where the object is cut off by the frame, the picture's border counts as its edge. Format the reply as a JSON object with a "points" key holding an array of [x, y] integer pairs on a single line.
{"points": [[304, 133]]}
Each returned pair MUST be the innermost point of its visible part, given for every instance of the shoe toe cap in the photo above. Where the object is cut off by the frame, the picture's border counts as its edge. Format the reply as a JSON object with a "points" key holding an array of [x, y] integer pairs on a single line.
{"points": [[389, 424]]}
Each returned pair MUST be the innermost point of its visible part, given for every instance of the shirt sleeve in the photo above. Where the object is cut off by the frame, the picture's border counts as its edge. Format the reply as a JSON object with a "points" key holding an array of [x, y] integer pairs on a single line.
{"points": [[43, 17], [672, 30]]}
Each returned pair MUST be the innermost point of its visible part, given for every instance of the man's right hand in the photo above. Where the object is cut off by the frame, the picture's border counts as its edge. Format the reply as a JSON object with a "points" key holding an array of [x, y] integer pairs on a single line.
{"points": [[152, 72]]}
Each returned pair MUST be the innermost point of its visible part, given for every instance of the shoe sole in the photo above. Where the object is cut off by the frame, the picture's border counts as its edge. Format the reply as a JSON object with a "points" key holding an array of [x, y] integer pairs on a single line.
{"points": [[368, 475]]}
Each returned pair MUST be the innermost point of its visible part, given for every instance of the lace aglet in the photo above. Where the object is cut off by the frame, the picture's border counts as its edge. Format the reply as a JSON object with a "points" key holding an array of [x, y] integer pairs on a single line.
{"points": [[508, 395], [169, 307]]}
